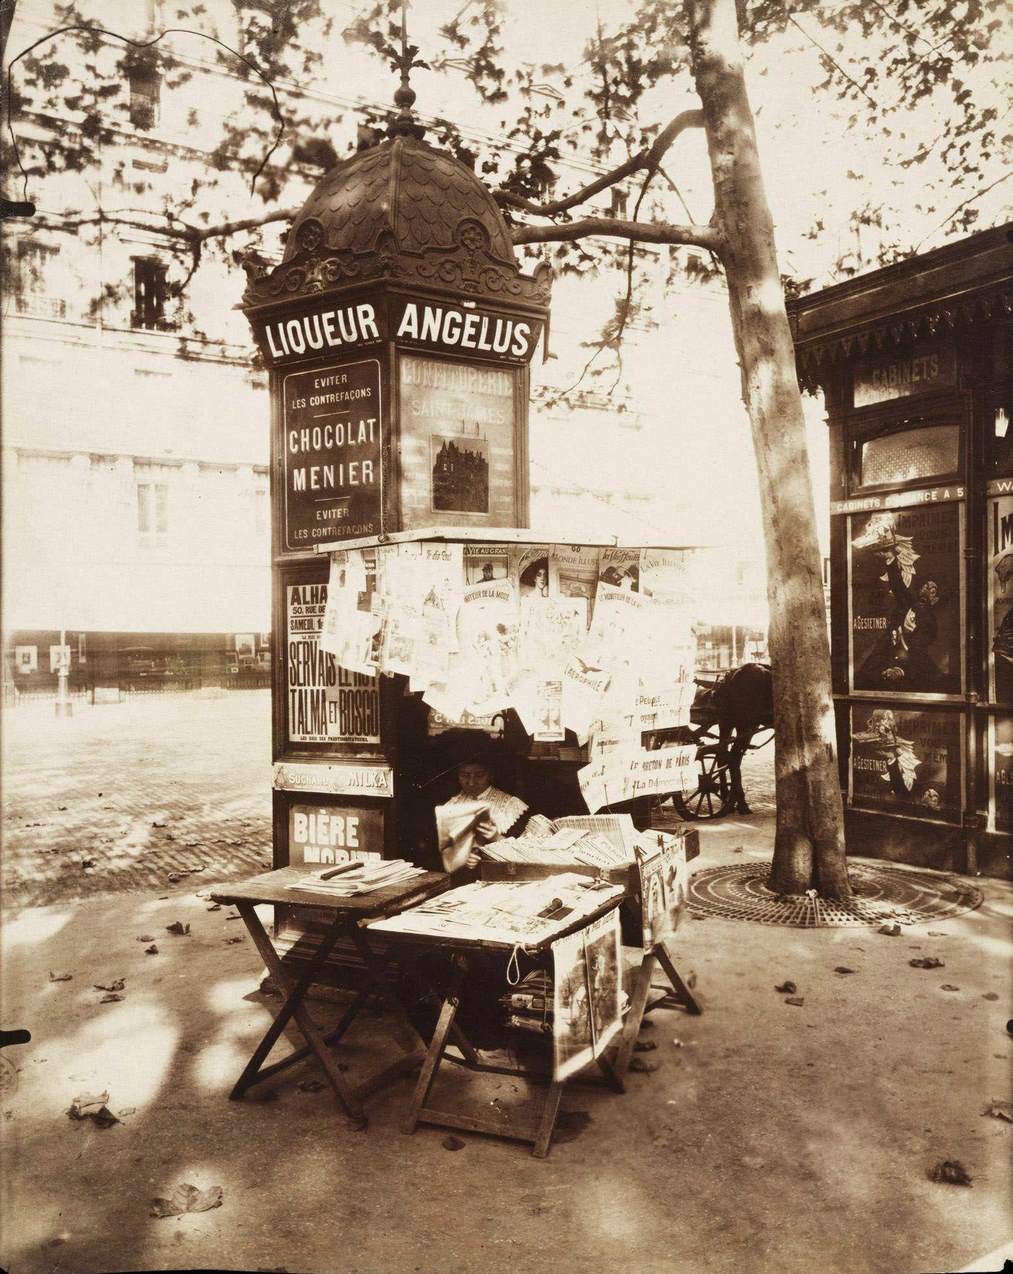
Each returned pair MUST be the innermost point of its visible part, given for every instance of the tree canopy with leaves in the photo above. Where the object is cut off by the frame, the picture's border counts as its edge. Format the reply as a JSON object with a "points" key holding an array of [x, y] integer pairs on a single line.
{"points": [[885, 119]]}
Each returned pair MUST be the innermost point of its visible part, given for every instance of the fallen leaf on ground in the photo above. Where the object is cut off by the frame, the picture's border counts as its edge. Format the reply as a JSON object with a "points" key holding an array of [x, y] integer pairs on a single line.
{"points": [[152, 950], [1000, 1110], [947, 986], [173, 877], [234, 916], [990, 995], [146, 937], [644, 1046], [936, 933], [950, 1172], [237, 938], [86, 863], [159, 823], [93, 1106], [452, 1143], [691, 979], [643, 1065], [111, 998], [787, 988], [60, 977], [676, 1041], [797, 1000], [187, 1198], [118, 985], [926, 962], [843, 968], [128, 1110], [310, 1085], [178, 927], [891, 931], [215, 906]]}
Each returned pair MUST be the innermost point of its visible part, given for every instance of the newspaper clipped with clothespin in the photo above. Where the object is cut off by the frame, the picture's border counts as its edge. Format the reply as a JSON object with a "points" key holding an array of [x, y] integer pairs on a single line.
{"points": [[455, 831]]}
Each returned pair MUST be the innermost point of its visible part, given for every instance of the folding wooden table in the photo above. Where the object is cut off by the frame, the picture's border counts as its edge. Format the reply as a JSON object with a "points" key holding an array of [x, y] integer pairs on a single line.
{"points": [[537, 1130], [346, 917]]}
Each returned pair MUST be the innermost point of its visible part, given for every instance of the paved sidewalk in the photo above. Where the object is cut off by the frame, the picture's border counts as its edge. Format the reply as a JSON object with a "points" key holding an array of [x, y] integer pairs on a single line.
{"points": [[119, 796], [771, 1137]]}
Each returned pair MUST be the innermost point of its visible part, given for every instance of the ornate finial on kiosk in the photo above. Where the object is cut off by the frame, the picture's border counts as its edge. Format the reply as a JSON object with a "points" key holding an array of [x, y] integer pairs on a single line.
{"points": [[404, 98]]}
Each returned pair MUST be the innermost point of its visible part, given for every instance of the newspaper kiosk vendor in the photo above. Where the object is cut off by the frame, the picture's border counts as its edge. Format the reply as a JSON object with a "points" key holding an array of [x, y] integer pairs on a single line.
{"points": [[506, 815]]}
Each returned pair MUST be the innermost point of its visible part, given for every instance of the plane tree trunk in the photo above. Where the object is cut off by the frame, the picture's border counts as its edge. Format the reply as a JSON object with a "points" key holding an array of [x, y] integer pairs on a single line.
{"points": [[809, 850]]}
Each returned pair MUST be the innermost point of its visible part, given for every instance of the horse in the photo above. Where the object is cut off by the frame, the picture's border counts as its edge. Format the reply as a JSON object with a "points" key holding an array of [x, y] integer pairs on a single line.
{"points": [[739, 703]]}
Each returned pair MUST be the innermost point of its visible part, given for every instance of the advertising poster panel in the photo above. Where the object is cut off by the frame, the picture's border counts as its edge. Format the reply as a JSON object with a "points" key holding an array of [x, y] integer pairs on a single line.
{"points": [[906, 600], [324, 703], [1000, 598], [334, 834], [907, 760], [1000, 734], [458, 441], [331, 448]]}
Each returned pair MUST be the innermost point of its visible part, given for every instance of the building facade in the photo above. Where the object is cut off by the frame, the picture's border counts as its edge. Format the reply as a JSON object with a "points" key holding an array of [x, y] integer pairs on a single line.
{"points": [[135, 419]]}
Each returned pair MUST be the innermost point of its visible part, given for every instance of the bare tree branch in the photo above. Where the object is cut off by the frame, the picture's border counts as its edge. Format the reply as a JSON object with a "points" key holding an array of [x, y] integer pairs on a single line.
{"points": [[225, 228], [707, 237], [649, 159]]}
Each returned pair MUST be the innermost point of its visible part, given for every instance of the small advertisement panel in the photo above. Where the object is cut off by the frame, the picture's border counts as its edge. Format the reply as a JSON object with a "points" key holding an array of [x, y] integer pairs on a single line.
{"points": [[333, 834], [906, 600], [331, 449], [458, 442], [1000, 786], [1000, 598], [324, 703], [907, 760]]}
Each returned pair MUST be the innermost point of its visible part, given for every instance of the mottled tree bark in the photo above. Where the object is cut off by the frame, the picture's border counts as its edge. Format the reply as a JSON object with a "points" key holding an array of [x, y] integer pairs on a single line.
{"points": [[809, 850]]}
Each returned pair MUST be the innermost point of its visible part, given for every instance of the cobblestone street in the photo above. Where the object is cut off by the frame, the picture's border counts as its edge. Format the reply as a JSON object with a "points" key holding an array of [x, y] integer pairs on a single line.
{"points": [[120, 796]]}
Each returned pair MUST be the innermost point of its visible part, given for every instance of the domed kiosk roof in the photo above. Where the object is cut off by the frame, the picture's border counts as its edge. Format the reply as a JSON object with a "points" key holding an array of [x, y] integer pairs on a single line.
{"points": [[404, 212], [403, 188]]}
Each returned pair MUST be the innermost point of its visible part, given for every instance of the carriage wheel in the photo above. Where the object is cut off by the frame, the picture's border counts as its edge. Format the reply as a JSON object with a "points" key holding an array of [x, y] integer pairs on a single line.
{"points": [[713, 796]]}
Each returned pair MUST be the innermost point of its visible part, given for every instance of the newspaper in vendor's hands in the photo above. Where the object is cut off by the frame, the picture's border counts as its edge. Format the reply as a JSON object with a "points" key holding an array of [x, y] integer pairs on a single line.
{"points": [[455, 831]]}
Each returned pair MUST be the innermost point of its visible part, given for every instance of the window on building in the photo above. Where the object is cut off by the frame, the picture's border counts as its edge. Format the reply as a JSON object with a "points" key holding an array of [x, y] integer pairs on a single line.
{"points": [[145, 96], [910, 455], [35, 283], [151, 294], [618, 203], [153, 513]]}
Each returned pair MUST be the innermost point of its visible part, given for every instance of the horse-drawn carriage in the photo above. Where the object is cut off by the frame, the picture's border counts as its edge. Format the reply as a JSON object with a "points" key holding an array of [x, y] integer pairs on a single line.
{"points": [[729, 710]]}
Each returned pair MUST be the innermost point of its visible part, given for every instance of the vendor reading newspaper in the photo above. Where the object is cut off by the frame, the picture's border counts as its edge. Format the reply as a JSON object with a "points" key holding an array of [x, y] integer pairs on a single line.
{"points": [[478, 813]]}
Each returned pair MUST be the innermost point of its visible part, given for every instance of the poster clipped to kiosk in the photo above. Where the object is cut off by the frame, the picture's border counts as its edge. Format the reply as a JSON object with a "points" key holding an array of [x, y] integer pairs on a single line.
{"points": [[906, 600], [324, 702]]}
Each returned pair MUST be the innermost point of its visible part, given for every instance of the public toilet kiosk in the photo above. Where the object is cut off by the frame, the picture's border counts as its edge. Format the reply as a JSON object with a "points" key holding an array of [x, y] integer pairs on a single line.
{"points": [[915, 362]]}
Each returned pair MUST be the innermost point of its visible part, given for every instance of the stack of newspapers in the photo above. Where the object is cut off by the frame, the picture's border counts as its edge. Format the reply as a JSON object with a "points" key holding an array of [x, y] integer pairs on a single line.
{"points": [[593, 840], [349, 880], [508, 912], [528, 1006]]}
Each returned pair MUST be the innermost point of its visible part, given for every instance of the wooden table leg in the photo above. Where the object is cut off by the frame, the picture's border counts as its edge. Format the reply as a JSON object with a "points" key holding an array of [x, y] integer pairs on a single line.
{"points": [[547, 1120], [431, 1064], [293, 1007], [682, 992], [635, 1015]]}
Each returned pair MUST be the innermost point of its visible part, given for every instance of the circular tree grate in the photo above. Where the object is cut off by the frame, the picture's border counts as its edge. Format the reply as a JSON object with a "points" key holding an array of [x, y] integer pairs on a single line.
{"points": [[881, 894]]}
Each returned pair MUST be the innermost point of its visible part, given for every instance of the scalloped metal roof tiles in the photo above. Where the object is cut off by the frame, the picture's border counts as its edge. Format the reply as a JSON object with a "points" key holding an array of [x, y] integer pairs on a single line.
{"points": [[416, 193]]}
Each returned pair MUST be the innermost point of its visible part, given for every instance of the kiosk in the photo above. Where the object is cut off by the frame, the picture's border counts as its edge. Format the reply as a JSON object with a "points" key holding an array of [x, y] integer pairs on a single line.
{"points": [[397, 330], [916, 365]]}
